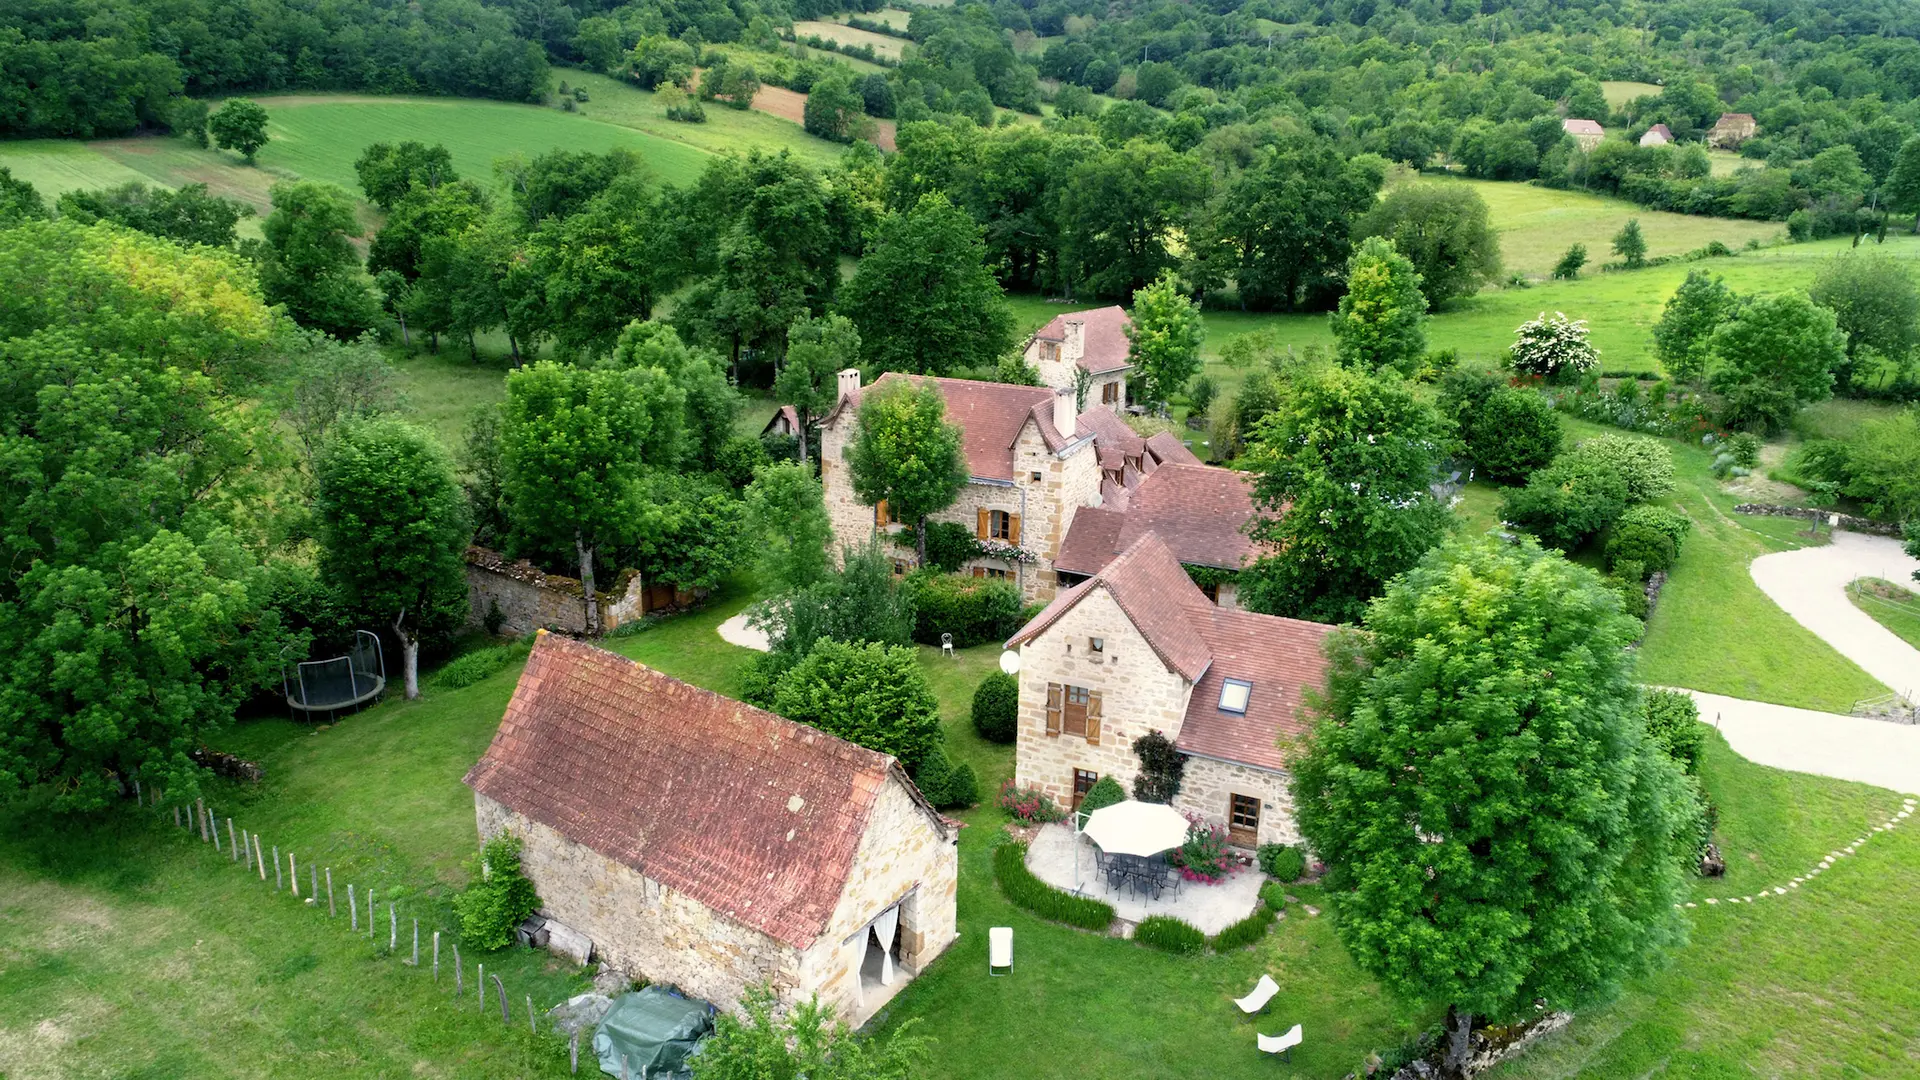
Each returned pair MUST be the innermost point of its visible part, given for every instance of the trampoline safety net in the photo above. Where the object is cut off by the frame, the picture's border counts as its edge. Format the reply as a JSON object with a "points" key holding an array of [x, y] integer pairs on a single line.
{"points": [[340, 682]]}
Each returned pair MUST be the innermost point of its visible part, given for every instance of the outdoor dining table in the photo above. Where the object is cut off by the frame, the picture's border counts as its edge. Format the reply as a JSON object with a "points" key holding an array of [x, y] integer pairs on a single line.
{"points": [[1137, 872]]}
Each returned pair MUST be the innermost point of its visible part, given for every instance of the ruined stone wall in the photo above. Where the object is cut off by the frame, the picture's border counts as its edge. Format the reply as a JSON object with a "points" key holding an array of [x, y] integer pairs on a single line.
{"points": [[901, 859], [1207, 787], [1138, 695], [530, 599], [640, 926]]}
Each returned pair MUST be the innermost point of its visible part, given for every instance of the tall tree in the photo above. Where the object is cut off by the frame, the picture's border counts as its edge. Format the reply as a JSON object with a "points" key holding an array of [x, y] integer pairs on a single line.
{"points": [[1343, 466], [188, 215], [1163, 338], [1444, 230], [390, 173], [817, 351], [574, 442], [240, 125], [787, 516], [1902, 188], [1875, 303], [1288, 222], [329, 383], [1630, 245], [923, 298], [711, 402], [1694, 311], [905, 453], [1499, 829], [1117, 210], [1779, 354], [599, 268], [19, 200], [393, 527], [311, 264], [1381, 321]]}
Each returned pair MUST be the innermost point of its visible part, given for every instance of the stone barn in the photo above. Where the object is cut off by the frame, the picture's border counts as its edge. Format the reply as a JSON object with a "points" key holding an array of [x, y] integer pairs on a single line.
{"points": [[704, 843]]}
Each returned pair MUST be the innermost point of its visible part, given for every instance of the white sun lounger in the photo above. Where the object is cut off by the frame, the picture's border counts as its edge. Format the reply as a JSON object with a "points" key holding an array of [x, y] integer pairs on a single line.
{"points": [[1263, 992], [1279, 1044], [1000, 950]]}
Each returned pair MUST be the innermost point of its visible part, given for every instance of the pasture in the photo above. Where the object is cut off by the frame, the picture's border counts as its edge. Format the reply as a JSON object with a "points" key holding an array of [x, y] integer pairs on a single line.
{"points": [[1619, 92], [883, 44]]}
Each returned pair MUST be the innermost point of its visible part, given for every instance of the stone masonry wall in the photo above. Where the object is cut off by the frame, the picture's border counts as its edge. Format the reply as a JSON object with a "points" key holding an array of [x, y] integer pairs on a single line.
{"points": [[902, 853], [640, 926], [530, 599], [1207, 787], [1138, 694], [1059, 373]]}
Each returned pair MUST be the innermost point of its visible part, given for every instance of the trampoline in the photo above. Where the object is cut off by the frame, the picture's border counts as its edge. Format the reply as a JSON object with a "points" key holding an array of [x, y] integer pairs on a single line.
{"points": [[339, 683]]}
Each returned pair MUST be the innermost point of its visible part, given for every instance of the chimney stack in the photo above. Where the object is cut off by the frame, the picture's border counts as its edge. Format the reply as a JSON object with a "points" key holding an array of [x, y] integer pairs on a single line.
{"points": [[849, 382], [1066, 411], [1075, 347]]}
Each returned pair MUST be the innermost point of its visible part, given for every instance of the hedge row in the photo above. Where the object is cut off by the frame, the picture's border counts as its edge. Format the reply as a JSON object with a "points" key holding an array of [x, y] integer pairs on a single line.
{"points": [[1042, 899], [1169, 934], [1246, 931]]}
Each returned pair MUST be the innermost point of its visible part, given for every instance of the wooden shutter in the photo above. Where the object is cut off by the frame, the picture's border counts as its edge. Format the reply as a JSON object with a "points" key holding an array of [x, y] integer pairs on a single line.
{"points": [[1093, 718], [1055, 695], [880, 513], [979, 571], [1013, 529], [979, 524]]}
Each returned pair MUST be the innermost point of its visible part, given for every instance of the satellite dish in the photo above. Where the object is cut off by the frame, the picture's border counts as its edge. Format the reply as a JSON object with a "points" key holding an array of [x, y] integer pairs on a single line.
{"points": [[1010, 662]]}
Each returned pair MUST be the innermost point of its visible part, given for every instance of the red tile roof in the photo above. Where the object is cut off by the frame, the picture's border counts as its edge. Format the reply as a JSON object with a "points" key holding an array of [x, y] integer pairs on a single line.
{"points": [[1167, 449], [754, 816], [1582, 127], [1106, 340], [785, 412], [1199, 511], [989, 415], [1207, 646]]}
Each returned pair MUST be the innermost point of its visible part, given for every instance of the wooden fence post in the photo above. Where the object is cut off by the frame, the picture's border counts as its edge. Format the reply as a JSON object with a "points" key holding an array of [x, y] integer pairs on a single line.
{"points": [[371, 912], [353, 908], [416, 944], [480, 977], [176, 817], [293, 874], [260, 856], [573, 1051], [393, 928], [313, 882], [436, 956], [330, 911], [216, 835], [530, 1026], [459, 975], [138, 799], [201, 805], [233, 852]]}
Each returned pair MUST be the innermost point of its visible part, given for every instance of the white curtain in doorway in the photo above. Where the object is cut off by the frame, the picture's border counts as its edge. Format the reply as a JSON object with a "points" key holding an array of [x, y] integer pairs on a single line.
{"points": [[884, 928]]}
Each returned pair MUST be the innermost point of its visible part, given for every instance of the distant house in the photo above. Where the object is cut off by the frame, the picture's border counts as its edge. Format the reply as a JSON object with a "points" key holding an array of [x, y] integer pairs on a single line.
{"points": [[1094, 341], [1731, 130], [1137, 648], [1657, 135], [1585, 132], [704, 843], [786, 421]]}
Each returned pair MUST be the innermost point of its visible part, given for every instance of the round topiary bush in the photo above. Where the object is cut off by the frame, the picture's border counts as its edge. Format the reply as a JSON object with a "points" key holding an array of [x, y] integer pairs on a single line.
{"points": [[996, 707], [1281, 861], [1515, 432], [1105, 792], [1648, 546]]}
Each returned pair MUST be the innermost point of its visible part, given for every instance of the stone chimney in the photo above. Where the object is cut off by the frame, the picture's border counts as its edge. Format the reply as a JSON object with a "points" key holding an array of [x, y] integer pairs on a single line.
{"points": [[1075, 346], [849, 382], [1065, 409]]}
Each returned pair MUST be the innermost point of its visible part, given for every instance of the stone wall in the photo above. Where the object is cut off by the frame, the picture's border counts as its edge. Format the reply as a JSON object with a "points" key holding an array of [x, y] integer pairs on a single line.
{"points": [[1208, 785], [903, 859], [531, 599], [1843, 521], [1138, 695], [640, 926]]}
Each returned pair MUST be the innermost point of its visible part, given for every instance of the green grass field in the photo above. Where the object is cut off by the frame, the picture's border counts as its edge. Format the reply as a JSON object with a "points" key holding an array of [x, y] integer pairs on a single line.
{"points": [[1893, 605], [883, 44], [1619, 92]]}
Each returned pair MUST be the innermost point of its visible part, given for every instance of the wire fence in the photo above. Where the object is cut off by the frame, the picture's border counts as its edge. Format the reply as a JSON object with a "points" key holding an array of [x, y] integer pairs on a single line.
{"points": [[252, 855]]}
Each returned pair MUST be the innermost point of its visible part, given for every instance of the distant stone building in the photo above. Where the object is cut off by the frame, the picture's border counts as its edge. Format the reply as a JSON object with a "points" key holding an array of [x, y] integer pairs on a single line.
{"points": [[1586, 133], [1731, 130], [1094, 341], [785, 421], [1137, 648], [1657, 135], [704, 843]]}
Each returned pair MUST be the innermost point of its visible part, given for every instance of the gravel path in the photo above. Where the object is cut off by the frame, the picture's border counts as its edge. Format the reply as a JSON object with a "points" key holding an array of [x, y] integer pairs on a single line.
{"points": [[735, 631], [1825, 744], [1811, 585]]}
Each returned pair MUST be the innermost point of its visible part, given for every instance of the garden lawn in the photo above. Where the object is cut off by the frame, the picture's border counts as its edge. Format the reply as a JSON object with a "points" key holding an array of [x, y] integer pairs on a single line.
{"points": [[1818, 982], [1894, 606], [444, 390]]}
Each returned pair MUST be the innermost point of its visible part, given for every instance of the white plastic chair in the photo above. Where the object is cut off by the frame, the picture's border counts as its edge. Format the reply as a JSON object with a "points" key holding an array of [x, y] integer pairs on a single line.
{"points": [[946, 644], [1279, 1044], [1000, 950], [1263, 992]]}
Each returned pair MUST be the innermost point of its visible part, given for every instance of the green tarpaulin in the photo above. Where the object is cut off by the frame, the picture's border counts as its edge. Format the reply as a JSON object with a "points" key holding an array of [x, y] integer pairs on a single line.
{"points": [[655, 1031]]}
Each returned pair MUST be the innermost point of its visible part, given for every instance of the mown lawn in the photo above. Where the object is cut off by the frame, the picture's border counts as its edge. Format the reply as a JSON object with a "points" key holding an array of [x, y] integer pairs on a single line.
{"points": [[1893, 605]]}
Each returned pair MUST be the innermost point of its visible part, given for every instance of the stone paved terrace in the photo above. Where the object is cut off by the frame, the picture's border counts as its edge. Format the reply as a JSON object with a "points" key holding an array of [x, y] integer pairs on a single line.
{"points": [[1212, 908]]}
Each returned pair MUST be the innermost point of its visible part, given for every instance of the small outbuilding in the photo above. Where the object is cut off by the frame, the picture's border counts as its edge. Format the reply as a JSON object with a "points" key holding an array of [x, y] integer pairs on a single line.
{"points": [[1657, 135], [704, 843], [785, 421]]}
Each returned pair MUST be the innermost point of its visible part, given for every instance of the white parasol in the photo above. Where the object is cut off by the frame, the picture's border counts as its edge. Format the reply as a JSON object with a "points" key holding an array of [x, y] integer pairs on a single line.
{"points": [[1136, 828]]}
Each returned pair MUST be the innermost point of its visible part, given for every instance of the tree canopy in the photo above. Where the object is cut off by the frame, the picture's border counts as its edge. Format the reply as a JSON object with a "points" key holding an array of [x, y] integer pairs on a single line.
{"points": [[1381, 320], [1163, 339], [923, 298], [1444, 230], [906, 454]]}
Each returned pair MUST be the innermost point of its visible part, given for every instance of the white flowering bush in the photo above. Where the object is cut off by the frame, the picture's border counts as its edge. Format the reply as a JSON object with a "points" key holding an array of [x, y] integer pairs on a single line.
{"points": [[1555, 348]]}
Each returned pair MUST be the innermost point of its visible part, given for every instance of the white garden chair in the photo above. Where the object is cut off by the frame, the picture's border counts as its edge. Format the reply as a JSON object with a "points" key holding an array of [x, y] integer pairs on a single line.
{"points": [[946, 644], [1279, 1044], [1000, 950], [1263, 992]]}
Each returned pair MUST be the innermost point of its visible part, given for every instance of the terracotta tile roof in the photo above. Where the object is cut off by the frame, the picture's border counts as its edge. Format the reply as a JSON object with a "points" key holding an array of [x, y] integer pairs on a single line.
{"points": [[1278, 657], [1199, 511], [1734, 118], [1111, 432], [754, 816], [785, 412], [989, 415], [1167, 449], [1582, 127], [1105, 337], [1161, 600], [1093, 538], [1207, 645]]}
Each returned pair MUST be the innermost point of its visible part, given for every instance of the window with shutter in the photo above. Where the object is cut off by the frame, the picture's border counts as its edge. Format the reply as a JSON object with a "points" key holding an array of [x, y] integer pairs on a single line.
{"points": [[880, 515], [1013, 528], [1073, 718], [999, 525], [1110, 394], [980, 524], [1054, 693], [1093, 719]]}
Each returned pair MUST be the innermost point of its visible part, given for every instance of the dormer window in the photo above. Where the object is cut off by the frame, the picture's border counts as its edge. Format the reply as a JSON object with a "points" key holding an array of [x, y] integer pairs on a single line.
{"points": [[1234, 694]]}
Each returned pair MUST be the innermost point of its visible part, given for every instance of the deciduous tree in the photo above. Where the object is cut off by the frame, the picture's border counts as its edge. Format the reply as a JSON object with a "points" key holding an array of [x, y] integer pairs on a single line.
{"points": [[787, 519], [1778, 355], [311, 265], [1694, 311], [188, 215], [240, 125], [1381, 321], [1163, 338], [1499, 830], [1444, 230], [923, 298], [390, 173], [1875, 303], [871, 694], [1630, 245], [393, 527], [906, 454], [817, 351]]}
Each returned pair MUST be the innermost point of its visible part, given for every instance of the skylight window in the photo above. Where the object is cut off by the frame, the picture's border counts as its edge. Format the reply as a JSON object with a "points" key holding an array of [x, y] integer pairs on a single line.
{"points": [[1234, 694]]}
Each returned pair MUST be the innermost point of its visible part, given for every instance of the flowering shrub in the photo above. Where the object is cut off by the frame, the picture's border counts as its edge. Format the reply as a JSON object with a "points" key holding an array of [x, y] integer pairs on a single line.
{"points": [[1204, 856], [1029, 805], [1556, 347]]}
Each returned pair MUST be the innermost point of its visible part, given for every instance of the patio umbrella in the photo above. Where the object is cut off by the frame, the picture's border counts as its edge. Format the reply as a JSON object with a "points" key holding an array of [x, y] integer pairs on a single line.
{"points": [[1136, 828]]}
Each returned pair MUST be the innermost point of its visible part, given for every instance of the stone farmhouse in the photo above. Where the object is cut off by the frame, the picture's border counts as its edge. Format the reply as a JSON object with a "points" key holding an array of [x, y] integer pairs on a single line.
{"points": [[1657, 135], [1137, 648], [1094, 341], [1731, 130], [1038, 470], [701, 842], [1586, 133]]}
